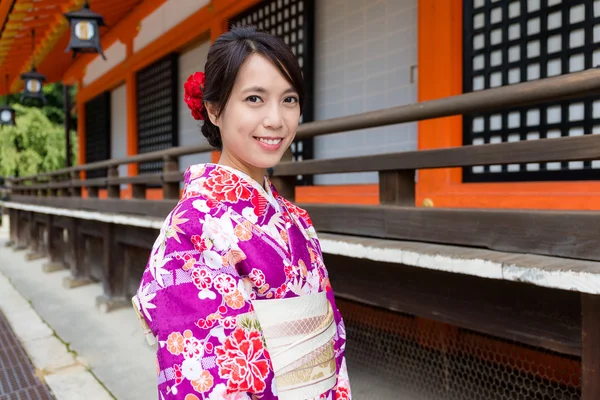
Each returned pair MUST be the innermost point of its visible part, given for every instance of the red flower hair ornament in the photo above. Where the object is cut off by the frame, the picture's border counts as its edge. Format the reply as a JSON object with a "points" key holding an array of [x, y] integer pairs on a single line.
{"points": [[193, 97]]}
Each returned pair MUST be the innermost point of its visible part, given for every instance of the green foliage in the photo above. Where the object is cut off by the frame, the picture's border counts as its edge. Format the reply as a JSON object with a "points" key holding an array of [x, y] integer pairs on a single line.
{"points": [[36, 144]]}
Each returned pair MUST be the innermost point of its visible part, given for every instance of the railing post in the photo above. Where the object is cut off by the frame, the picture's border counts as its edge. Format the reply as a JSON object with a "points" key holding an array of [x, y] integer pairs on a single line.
{"points": [[114, 190], [52, 192], [286, 185], [170, 189], [590, 346], [397, 187], [113, 274], [13, 227], [75, 188], [74, 256], [53, 246], [138, 191]]}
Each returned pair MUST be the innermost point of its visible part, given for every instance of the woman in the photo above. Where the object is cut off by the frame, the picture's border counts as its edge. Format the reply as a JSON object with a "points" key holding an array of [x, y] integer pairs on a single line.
{"points": [[235, 292]]}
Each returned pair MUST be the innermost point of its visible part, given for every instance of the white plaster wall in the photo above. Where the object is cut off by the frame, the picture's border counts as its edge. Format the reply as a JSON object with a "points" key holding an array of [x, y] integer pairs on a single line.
{"points": [[118, 126], [191, 61], [115, 55], [363, 58], [165, 17]]}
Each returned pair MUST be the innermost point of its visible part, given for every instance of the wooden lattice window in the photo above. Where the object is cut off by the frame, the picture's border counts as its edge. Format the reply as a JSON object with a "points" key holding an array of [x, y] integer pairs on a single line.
{"points": [[97, 132], [507, 42], [293, 21], [157, 109]]}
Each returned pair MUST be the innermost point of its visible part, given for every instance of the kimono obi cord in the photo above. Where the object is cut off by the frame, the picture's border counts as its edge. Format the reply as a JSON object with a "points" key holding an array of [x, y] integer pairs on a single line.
{"points": [[299, 334]]}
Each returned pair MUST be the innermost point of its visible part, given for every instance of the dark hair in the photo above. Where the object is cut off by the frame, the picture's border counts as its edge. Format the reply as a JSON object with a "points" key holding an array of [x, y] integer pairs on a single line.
{"points": [[224, 60]]}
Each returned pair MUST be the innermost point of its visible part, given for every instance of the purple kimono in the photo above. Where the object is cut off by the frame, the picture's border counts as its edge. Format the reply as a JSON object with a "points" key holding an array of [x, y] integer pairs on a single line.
{"points": [[238, 299]]}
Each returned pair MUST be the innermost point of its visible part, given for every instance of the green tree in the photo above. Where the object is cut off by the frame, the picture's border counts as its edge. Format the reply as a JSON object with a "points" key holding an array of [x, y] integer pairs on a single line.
{"points": [[55, 102], [36, 144]]}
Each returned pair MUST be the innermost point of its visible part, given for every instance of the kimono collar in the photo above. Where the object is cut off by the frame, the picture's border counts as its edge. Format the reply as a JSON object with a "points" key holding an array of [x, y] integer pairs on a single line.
{"points": [[270, 193]]}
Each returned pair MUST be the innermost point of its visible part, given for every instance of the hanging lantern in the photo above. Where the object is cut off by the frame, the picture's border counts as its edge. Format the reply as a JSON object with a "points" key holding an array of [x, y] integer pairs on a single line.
{"points": [[33, 85], [85, 31], [33, 79], [7, 113]]}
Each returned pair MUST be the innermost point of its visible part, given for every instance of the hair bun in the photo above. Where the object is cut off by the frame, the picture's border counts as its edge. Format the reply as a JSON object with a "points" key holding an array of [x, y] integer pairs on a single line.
{"points": [[193, 95]]}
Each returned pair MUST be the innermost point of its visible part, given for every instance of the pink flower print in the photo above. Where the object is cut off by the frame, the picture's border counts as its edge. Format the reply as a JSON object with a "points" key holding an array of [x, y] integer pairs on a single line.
{"points": [[225, 284], [201, 278], [191, 346], [289, 271], [241, 360], [228, 323], [199, 243], [257, 277], [280, 292]]}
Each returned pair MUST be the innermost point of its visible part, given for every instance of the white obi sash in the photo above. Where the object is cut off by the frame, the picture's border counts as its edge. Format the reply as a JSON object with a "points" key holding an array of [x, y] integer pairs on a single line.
{"points": [[299, 333]]}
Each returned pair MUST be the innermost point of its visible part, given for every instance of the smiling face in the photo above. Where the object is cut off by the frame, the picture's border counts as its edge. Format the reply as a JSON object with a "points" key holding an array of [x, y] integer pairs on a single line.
{"points": [[260, 119]]}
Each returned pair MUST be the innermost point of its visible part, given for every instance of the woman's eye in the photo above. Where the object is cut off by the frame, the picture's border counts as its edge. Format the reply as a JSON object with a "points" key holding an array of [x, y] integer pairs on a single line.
{"points": [[291, 99], [253, 99]]}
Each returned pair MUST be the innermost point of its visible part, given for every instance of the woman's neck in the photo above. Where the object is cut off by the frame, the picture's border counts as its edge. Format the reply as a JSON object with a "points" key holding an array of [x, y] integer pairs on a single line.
{"points": [[257, 174]]}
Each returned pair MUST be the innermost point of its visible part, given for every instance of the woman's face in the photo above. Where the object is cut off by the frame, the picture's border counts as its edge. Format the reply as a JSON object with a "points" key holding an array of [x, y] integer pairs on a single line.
{"points": [[260, 119]]}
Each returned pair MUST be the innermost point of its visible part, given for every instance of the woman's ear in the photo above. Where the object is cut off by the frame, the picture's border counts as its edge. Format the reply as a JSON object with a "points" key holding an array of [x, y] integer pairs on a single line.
{"points": [[211, 110]]}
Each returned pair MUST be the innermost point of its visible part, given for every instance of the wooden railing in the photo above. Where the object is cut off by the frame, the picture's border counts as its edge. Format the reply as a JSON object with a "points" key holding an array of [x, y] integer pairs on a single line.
{"points": [[97, 250], [540, 232]]}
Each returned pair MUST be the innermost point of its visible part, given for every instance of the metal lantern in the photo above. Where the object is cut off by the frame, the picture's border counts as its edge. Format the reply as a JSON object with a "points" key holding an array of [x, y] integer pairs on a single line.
{"points": [[33, 85], [7, 115], [85, 31]]}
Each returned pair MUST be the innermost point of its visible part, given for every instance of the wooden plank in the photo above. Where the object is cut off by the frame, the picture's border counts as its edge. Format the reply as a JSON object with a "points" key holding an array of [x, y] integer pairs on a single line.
{"points": [[553, 233], [586, 147], [397, 187], [140, 179], [579, 84], [590, 354], [152, 208], [524, 313]]}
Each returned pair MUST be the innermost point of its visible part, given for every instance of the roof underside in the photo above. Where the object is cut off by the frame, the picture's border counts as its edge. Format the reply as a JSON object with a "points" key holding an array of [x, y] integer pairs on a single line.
{"points": [[46, 17]]}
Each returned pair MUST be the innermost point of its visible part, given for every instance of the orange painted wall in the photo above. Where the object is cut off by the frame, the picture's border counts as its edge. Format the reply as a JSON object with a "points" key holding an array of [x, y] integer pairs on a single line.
{"points": [[440, 75]]}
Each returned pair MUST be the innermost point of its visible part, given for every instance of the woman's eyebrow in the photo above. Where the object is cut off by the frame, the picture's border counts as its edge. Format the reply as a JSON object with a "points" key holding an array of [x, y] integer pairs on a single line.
{"points": [[260, 89]]}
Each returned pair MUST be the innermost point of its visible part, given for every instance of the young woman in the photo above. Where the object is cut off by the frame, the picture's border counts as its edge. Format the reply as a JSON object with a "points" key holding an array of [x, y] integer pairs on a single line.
{"points": [[235, 292]]}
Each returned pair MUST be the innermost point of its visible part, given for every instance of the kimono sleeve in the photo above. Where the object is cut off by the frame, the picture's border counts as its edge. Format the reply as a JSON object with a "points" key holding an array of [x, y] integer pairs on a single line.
{"points": [[196, 308]]}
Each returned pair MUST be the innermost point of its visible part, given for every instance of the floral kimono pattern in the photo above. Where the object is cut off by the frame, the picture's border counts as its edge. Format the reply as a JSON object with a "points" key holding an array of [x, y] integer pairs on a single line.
{"points": [[228, 247]]}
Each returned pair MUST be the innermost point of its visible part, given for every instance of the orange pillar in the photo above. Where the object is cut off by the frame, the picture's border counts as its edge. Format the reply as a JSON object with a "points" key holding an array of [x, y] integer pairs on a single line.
{"points": [[440, 75], [131, 100]]}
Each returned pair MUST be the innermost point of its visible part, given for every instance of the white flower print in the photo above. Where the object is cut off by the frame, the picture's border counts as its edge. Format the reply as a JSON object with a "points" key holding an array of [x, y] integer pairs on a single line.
{"points": [[213, 259], [220, 231], [249, 214], [207, 294], [191, 369], [201, 206]]}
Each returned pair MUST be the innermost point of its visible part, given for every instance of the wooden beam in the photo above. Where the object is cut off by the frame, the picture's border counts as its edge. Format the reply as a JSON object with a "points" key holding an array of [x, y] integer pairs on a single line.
{"points": [[149, 208], [584, 148], [553, 233], [568, 234], [532, 315]]}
